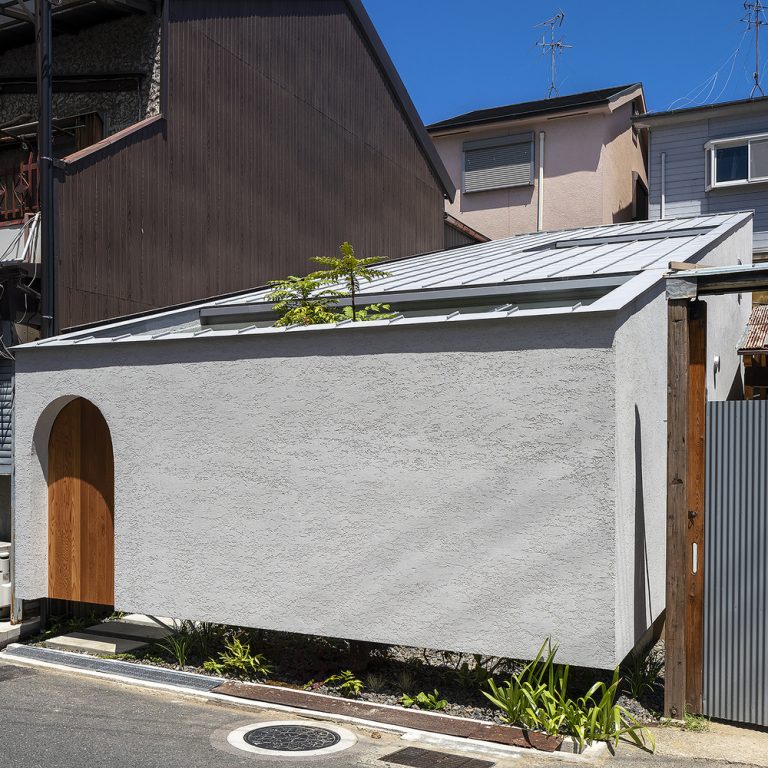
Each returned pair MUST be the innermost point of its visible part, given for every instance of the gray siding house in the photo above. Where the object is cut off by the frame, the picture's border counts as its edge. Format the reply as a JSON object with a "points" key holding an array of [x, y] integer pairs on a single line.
{"points": [[709, 160]]}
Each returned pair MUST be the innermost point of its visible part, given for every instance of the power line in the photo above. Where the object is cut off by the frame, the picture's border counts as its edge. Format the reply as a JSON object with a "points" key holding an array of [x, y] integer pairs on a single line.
{"points": [[553, 47]]}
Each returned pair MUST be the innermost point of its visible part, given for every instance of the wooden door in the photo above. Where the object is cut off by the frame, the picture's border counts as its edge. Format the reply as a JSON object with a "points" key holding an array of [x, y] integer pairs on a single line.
{"points": [[81, 547]]}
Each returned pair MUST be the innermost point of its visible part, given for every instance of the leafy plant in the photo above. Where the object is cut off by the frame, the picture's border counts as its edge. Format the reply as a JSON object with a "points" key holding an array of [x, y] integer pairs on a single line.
{"points": [[643, 672], [537, 698], [367, 313], [349, 270], [238, 660], [303, 300], [696, 723], [346, 683], [430, 701], [179, 644]]}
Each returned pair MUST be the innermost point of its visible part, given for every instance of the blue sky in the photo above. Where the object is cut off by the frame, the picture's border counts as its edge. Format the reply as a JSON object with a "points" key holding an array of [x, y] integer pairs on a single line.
{"points": [[459, 55]]}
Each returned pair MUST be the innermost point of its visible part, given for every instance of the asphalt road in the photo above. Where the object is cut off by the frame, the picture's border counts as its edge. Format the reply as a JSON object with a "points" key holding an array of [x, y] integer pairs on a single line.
{"points": [[51, 719]]}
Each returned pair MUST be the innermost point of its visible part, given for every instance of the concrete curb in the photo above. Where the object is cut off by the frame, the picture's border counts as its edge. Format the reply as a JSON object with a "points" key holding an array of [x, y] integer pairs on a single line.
{"points": [[73, 664]]}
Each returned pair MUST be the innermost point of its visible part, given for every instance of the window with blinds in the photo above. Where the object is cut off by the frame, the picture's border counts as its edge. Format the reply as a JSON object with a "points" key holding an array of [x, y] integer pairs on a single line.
{"points": [[506, 161]]}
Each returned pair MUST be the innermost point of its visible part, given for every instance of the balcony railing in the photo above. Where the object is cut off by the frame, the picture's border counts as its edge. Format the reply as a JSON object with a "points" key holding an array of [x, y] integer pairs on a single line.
{"points": [[20, 192]]}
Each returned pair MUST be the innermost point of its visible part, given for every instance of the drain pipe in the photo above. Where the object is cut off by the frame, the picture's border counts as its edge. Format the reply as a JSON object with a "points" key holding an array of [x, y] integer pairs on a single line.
{"points": [[663, 205], [45, 163], [540, 206]]}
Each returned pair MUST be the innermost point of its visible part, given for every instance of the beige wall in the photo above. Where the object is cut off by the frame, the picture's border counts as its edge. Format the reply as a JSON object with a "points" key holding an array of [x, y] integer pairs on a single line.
{"points": [[588, 165]]}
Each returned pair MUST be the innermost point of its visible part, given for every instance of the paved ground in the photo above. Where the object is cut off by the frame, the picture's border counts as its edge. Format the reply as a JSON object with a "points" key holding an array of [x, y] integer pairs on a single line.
{"points": [[51, 719]]}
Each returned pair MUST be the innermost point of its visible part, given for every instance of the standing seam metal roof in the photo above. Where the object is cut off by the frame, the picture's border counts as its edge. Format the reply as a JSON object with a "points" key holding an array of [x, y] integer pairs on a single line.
{"points": [[633, 256]]}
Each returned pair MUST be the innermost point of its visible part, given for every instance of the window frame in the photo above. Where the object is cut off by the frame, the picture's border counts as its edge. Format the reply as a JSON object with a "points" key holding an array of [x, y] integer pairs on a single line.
{"points": [[710, 160], [499, 141]]}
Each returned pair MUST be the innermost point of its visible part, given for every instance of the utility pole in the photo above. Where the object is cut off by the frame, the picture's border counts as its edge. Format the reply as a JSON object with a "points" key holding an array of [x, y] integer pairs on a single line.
{"points": [[553, 47], [755, 18], [43, 35]]}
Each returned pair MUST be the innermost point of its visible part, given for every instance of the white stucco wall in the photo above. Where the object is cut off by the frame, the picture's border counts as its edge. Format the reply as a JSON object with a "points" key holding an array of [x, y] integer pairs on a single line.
{"points": [[447, 486], [641, 433]]}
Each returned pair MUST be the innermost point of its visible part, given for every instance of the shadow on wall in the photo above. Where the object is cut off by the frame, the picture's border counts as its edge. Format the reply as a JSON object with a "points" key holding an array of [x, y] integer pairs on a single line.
{"points": [[736, 392], [642, 583], [490, 199], [535, 333]]}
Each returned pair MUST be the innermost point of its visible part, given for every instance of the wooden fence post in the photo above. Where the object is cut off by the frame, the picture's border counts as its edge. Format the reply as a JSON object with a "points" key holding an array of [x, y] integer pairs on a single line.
{"points": [[677, 506], [695, 560]]}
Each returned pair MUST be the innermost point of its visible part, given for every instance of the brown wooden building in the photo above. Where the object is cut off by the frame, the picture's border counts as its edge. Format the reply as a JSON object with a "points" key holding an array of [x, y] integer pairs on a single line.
{"points": [[282, 129]]}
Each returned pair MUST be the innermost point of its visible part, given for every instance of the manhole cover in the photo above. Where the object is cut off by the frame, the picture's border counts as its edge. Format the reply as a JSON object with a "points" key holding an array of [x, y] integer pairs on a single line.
{"points": [[291, 738]]}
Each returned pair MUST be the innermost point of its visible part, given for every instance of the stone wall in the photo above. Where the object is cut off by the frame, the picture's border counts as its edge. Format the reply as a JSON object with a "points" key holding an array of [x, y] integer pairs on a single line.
{"points": [[130, 44]]}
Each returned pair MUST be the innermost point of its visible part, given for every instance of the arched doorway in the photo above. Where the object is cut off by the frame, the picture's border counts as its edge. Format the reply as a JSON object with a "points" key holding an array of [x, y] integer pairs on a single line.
{"points": [[81, 544]]}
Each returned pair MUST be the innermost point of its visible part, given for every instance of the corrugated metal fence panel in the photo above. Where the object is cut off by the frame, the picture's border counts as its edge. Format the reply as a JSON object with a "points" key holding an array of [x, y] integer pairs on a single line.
{"points": [[736, 564], [496, 167]]}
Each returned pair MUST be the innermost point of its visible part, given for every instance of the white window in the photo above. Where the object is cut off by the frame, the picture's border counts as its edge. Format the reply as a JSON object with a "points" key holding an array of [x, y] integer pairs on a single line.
{"points": [[506, 161], [732, 162]]}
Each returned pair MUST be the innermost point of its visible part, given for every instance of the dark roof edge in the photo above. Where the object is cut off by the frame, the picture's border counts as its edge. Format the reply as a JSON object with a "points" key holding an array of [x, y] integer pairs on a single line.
{"points": [[685, 111], [363, 20], [460, 226], [457, 122]]}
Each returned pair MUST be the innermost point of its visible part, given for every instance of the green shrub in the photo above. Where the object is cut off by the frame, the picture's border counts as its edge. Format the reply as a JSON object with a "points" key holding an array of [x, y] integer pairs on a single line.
{"points": [[179, 644], [641, 674], [346, 683], [430, 701], [238, 660], [537, 698]]}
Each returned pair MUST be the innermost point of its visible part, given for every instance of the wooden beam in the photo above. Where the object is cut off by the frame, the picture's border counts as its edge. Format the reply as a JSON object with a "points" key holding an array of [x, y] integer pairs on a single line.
{"points": [[677, 507], [676, 266], [697, 399]]}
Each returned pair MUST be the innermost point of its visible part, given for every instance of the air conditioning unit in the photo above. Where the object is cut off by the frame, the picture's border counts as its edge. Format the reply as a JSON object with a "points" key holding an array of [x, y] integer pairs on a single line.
{"points": [[5, 577]]}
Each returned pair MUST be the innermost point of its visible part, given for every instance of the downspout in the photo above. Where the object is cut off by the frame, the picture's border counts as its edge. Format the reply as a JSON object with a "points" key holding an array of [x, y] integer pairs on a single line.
{"points": [[663, 206], [540, 196], [45, 165]]}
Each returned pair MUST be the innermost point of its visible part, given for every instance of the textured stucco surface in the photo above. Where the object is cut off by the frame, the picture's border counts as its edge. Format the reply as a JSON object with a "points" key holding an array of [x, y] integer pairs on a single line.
{"points": [[641, 434], [443, 486], [130, 44], [588, 165]]}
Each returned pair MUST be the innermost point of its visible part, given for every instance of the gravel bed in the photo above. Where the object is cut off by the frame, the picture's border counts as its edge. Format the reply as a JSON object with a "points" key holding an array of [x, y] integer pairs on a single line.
{"points": [[388, 671]]}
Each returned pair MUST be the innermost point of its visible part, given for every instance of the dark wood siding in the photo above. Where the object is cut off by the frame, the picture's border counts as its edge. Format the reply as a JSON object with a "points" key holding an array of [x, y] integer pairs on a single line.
{"points": [[281, 139]]}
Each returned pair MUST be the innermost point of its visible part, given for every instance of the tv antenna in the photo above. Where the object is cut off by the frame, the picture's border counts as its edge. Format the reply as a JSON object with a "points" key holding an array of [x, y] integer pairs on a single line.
{"points": [[554, 47], [755, 18]]}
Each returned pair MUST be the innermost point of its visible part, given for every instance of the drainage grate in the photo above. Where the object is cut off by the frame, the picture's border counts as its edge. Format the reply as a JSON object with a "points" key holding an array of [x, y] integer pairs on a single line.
{"points": [[291, 738], [426, 758]]}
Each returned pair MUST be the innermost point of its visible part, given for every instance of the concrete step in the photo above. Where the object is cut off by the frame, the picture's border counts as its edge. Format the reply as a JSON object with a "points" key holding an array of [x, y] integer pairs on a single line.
{"points": [[126, 635], [128, 630], [82, 641]]}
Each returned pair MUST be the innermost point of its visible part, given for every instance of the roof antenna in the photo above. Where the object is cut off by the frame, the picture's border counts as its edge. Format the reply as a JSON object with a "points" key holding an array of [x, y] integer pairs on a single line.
{"points": [[554, 46], [754, 21]]}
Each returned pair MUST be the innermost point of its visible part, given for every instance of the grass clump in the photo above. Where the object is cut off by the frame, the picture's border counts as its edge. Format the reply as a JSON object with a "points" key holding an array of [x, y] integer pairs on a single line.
{"points": [[537, 698]]}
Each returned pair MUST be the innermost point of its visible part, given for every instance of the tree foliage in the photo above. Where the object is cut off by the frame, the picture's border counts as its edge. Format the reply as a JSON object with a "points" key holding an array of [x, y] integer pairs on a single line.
{"points": [[350, 270], [309, 301], [303, 300]]}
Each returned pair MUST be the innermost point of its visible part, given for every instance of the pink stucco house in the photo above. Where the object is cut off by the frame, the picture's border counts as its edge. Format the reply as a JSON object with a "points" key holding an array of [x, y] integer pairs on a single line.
{"points": [[566, 162]]}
